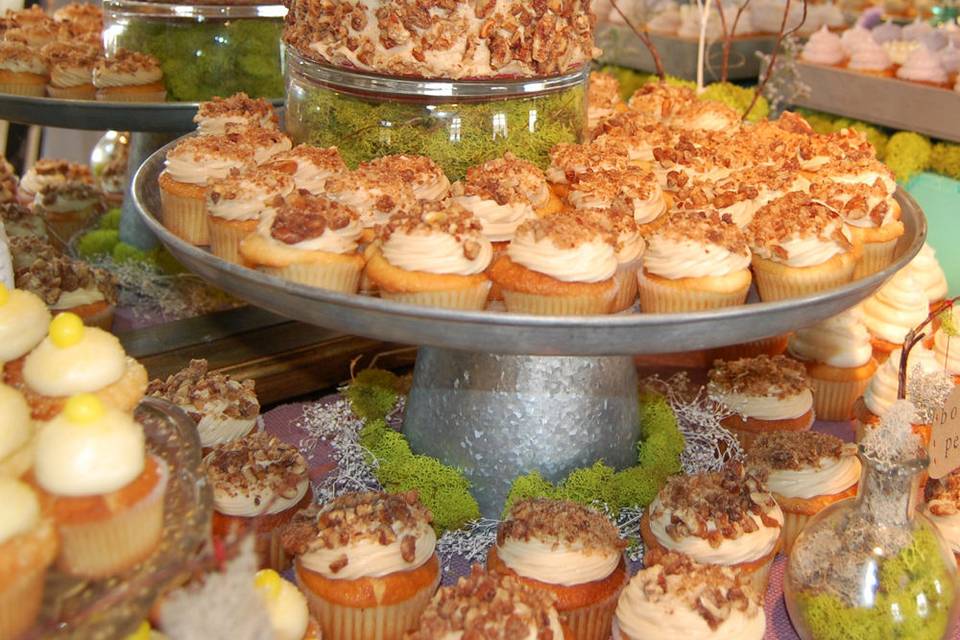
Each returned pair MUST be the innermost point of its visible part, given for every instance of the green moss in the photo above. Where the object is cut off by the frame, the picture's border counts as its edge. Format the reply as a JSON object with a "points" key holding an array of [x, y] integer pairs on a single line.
{"points": [[123, 252], [630, 80], [166, 262], [110, 220], [205, 59], [908, 154], [441, 488], [531, 485], [737, 98], [589, 485], [373, 393], [675, 81], [635, 487], [97, 243], [945, 159], [661, 442], [821, 123], [456, 136]]}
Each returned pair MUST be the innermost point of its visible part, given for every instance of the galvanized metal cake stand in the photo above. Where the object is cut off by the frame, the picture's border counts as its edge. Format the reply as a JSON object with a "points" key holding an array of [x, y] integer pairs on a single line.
{"points": [[500, 394]]}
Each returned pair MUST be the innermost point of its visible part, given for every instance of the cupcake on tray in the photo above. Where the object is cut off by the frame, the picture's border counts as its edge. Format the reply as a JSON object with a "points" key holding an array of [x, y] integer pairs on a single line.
{"points": [[633, 192], [35, 36], [629, 245], [707, 115], [872, 59], [923, 66], [23, 71], [560, 265], [266, 142], [80, 14], [129, 76], [28, 546], [680, 598], [224, 409], [213, 116], [636, 132], [24, 319], [433, 256], [570, 551], [942, 506], [603, 98], [16, 436], [660, 99], [490, 605], [929, 275], [839, 361], [21, 222], [68, 285], [764, 394], [107, 491], [374, 195], [259, 484], [71, 70], [799, 247], [48, 172], [308, 239], [854, 37], [309, 166], [237, 203], [890, 313], [694, 261], [570, 161], [425, 177], [806, 471], [722, 518], [68, 208], [367, 565]]}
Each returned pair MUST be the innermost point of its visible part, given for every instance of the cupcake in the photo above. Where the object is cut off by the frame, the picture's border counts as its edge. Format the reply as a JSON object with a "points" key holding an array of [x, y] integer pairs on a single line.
{"points": [[213, 116], [887, 32], [490, 605], [569, 551], [23, 71], [707, 115], [764, 394], [28, 545], [680, 598], [890, 313], [923, 66], [560, 265], [266, 143], [942, 506], [309, 166], [47, 172], [71, 70], [603, 98], [660, 99], [107, 491], [129, 76], [916, 29], [633, 192], [872, 59], [927, 273], [308, 239], [853, 38], [846, 153], [189, 167], [68, 285], [286, 607], [259, 484], [374, 195], [24, 319], [630, 246], [636, 132], [694, 261], [839, 362], [433, 256], [805, 471], [68, 208], [695, 155], [425, 177], [16, 436], [224, 409], [900, 50], [369, 568], [75, 359], [950, 58], [81, 14], [26, 251], [799, 246], [569, 161], [20, 222], [237, 203], [722, 518], [36, 35]]}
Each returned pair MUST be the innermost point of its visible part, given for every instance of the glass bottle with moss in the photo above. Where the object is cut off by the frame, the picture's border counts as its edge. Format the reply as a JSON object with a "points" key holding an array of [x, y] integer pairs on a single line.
{"points": [[873, 567]]}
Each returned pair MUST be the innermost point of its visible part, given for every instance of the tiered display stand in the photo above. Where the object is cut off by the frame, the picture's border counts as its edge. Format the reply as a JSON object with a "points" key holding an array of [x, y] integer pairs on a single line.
{"points": [[500, 394]]}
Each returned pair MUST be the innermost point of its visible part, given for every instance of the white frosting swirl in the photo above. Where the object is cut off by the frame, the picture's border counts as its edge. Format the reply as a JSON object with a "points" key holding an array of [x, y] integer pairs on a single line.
{"points": [[217, 125], [882, 390], [249, 201], [367, 558], [823, 47], [928, 274], [110, 76], [840, 341], [923, 65], [870, 57], [591, 261], [895, 308], [436, 252], [674, 259], [900, 50], [949, 527], [32, 64], [77, 297], [499, 221], [24, 319], [853, 38], [768, 407], [257, 501], [833, 476], [95, 362], [17, 428], [200, 169], [557, 562], [808, 251], [67, 76], [340, 241], [19, 509]]}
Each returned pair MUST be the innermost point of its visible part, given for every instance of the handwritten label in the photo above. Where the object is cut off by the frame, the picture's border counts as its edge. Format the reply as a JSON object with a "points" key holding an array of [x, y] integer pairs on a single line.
{"points": [[945, 441]]}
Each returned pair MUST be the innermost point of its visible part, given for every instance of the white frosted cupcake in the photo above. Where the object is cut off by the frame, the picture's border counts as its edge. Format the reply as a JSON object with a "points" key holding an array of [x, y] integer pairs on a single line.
{"points": [[425, 177], [374, 195], [309, 166], [890, 313], [854, 37], [872, 59], [24, 319], [632, 192], [660, 99], [71, 70], [213, 116], [48, 172], [680, 598], [603, 98], [68, 285], [16, 436], [824, 47], [23, 70], [929, 275], [266, 142], [630, 246], [707, 115], [570, 161], [129, 76], [638, 133], [924, 66], [739, 195]]}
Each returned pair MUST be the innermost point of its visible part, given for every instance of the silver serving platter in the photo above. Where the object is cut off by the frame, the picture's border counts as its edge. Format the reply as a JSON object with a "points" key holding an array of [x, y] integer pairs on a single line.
{"points": [[507, 333]]}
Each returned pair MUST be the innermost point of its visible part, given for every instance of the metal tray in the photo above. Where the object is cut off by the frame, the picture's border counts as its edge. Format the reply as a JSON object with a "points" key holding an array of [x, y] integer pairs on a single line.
{"points": [[507, 333]]}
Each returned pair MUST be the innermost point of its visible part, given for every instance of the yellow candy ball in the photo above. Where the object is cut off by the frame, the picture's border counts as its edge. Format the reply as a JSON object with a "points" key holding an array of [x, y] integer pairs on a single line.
{"points": [[83, 408], [66, 330], [268, 582], [142, 632], [4, 294]]}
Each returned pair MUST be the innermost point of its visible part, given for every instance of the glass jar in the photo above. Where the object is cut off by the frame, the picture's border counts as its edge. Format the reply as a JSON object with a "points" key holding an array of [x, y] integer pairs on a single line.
{"points": [[205, 50], [873, 567], [457, 123]]}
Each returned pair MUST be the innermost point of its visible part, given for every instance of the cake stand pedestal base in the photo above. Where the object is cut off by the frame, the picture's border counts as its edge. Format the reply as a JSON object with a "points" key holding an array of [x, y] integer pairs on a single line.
{"points": [[132, 228], [500, 416]]}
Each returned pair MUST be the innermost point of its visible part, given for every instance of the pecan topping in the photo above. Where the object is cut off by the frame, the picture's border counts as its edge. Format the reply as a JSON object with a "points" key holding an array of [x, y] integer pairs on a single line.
{"points": [[201, 393], [761, 376], [795, 450], [555, 521], [304, 217], [380, 517]]}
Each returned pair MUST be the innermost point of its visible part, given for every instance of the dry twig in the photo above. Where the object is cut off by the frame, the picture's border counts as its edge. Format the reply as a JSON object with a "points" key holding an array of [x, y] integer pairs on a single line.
{"points": [[782, 35], [644, 36]]}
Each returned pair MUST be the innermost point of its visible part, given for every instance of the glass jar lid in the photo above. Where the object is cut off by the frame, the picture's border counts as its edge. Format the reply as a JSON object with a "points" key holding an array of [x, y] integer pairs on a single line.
{"points": [[196, 12]]}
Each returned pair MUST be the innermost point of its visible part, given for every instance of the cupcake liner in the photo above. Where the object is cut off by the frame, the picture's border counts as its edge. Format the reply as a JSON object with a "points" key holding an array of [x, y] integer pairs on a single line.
{"points": [[31, 89], [659, 298], [593, 622], [185, 217], [833, 400], [107, 547], [83, 92], [20, 602], [793, 524], [626, 282], [63, 226], [468, 299], [336, 276], [758, 577], [876, 256], [225, 237], [542, 305], [774, 282]]}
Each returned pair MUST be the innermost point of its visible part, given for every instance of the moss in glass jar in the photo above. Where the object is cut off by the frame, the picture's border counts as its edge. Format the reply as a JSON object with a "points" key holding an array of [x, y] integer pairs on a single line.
{"points": [[213, 58], [456, 136]]}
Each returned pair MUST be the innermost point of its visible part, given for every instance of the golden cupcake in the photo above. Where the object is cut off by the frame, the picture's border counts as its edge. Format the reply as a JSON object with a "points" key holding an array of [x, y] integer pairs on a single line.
{"points": [[425, 177], [215, 115], [839, 362], [309, 166], [16, 436], [806, 472], [570, 551], [694, 261], [68, 208], [564, 264], [633, 192], [764, 394], [638, 133], [308, 239], [368, 567], [570, 161], [266, 142], [129, 76], [434, 256], [48, 172], [72, 286], [107, 491], [725, 518], [629, 241], [71, 70], [24, 319], [925, 269], [890, 313], [237, 203], [23, 71], [374, 195]]}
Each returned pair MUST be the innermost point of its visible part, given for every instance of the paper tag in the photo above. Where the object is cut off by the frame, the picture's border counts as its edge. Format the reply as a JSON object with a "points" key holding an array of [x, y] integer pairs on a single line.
{"points": [[945, 440]]}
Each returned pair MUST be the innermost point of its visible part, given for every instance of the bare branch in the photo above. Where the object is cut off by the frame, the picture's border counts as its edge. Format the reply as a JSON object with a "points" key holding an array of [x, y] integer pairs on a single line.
{"points": [[644, 36], [728, 37], [781, 36]]}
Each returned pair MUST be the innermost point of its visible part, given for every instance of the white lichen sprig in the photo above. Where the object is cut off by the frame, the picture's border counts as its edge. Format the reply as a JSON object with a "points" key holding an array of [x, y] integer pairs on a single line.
{"points": [[628, 522], [928, 392], [893, 441], [469, 544]]}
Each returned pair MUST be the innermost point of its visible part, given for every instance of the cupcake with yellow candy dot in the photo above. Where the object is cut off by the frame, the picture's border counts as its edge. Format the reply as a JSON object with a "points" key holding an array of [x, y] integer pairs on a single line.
{"points": [[28, 545], [286, 607], [107, 491], [76, 359], [16, 435], [24, 319]]}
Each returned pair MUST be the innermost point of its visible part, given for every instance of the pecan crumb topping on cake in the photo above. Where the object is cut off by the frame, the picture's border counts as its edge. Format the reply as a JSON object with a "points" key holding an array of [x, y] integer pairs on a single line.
{"points": [[576, 159], [394, 193], [414, 170], [566, 230], [504, 180], [442, 217], [71, 190], [16, 212], [259, 465], [126, 61], [943, 495], [795, 450], [50, 276], [854, 201], [713, 591], [795, 215], [487, 606], [71, 171], [199, 392], [255, 136], [604, 91], [303, 217], [661, 99], [62, 54], [554, 521], [27, 249], [631, 183], [761, 376], [240, 184], [239, 104], [705, 227], [324, 158], [716, 506], [200, 148]]}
